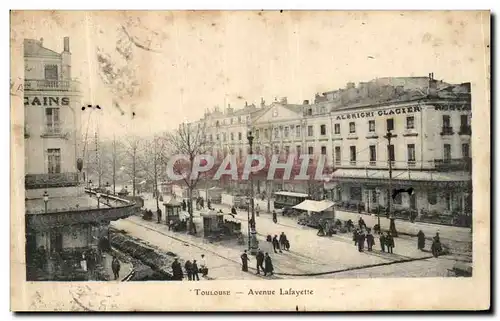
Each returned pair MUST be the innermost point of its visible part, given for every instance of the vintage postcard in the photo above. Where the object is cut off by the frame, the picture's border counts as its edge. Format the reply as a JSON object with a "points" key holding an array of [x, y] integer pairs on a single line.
{"points": [[250, 160]]}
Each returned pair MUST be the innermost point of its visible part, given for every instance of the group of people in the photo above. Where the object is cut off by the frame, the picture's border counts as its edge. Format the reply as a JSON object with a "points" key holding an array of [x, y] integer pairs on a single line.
{"points": [[264, 262], [279, 244], [436, 247], [191, 268], [360, 235]]}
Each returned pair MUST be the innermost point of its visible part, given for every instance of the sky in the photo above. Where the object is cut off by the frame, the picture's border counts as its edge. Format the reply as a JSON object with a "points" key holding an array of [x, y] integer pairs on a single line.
{"points": [[207, 59]]}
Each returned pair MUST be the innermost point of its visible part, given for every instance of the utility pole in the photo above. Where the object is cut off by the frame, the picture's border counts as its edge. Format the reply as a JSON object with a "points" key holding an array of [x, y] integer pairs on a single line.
{"points": [[389, 150], [114, 164]]}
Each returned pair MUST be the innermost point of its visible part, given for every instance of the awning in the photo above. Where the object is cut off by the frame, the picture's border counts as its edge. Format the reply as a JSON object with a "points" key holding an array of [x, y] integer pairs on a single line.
{"points": [[293, 194], [401, 175], [314, 206]]}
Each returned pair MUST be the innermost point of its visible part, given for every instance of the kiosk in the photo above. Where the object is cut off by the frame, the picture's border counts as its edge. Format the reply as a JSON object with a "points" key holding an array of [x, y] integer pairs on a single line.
{"points": [[216, 228]]}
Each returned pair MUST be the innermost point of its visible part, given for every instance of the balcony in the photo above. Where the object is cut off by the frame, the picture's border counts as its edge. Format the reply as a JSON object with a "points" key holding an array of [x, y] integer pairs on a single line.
{"points": [[465, 130], [34, 181], [460, 164], [447, 131], [51, 85]]}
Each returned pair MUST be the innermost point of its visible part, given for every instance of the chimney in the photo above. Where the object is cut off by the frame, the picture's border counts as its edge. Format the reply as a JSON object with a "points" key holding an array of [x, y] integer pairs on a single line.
{"points": [[41, 41], [306, 102], [432, 90], [66, 44], [246, 104]]}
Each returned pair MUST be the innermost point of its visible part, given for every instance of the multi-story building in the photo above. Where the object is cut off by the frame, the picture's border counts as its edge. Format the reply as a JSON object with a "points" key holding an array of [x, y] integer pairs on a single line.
{"points": [[62, 220], [429, 121]]}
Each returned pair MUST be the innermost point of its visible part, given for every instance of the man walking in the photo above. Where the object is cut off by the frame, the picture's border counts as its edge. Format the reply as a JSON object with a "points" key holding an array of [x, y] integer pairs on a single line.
{"points": [[389, 241], [421, 240], [115, 266], [275, 217], [382, 241], [244, 261], [194, 271], [370, 240], [257, 209], [276, 244], [189, 269], [176, 270], [260, 261], [158, 213], [268, 265]]}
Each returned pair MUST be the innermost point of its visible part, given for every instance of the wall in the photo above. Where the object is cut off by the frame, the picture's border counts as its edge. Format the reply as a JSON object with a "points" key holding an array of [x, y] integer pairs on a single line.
{"points": [[54, 192]]}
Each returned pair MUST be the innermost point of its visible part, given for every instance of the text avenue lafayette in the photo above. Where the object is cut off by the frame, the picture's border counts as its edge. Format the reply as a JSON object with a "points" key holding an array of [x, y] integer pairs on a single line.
{"points": [[256, 292]]}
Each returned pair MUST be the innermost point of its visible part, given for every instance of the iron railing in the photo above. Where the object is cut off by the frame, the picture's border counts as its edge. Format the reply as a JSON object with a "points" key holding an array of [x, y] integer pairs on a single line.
{"points": [[51, 85], [34, 181]]}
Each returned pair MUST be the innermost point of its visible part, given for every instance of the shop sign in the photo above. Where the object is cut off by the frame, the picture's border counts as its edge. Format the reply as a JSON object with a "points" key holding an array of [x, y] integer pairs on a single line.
{"points": [[46, 101], [385, 112]]}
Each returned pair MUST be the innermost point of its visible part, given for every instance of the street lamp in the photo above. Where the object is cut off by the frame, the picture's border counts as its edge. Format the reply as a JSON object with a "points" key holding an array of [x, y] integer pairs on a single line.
{"points": [[253, 240], [98, 195], [45, 200], [90, 185], [107, 191], [248, 225]]}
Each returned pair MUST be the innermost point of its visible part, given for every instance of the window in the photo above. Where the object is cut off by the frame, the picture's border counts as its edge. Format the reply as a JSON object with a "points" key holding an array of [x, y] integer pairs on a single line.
{"points": [[373, 154], [240, 153], [275, 112], [310, 150], [310, 131], [390, 151], [410, 122], [309, 111], [371, 126], [447, 198], [286, 131], [276, 149], [446, 121], [268, 150], [447, 152], [231, 121], [276, 133], [287, 150], [323, 150], [322, 110], [432, 197], [217, 136], [52, 124], [266, 133], [298, 150], [353, 154], [51, 72], [232, 136], [297, 130], [54, 160], [352, 127], [217, 124], [464, 119], [355, 193], [224, 137], [239, 119], [210, 137], [411, 154], [390, 124], [323, 129], [337, 155], [337, 129], [465, 150], [240, 136], [257, 133]]}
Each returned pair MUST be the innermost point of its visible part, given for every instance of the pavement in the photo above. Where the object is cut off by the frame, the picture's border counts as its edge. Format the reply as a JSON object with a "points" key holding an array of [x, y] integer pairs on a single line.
{"points": [[310, 254], [125, 267]]}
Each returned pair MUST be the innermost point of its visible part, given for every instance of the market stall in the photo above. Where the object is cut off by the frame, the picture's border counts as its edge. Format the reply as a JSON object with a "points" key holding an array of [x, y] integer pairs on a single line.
{"points": [[316, 212], [216, 227]]}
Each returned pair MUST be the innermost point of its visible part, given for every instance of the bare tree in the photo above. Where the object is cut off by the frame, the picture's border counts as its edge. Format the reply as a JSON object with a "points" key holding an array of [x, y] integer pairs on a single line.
{"points": [[188, 140]]}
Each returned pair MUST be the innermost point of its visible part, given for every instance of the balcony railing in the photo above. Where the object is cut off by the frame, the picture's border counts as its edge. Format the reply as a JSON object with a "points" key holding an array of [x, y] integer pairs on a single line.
{"points": [[465, 130], [51, 85], [447, 131], [460, 164], [34, 181], [54, 130]]}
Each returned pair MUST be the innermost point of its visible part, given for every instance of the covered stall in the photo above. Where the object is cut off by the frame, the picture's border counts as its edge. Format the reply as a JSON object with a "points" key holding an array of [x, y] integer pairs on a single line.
{"points": [[216, 227], [285, 199], [174, 217], [316, 213]]}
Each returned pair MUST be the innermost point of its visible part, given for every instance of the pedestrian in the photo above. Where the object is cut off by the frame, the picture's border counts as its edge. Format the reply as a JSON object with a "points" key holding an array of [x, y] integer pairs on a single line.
{"points": [[361, 241], [321, 230], [392, 227], [260, 261], [275, 217], [202, 203], [382, 241], [170, 224], [421, 240], [244, 261], [389, 241], [268, 263], [194, 271], [349, 225], [257, 209], [355, 236], [283, 240], [276, 244], [209, 204], [188, 266], [436, 246], [115, 266], [184, 205], [204, 267], [158, 213], [233, 210], [361, 223], [370, 241], [176, 270]]}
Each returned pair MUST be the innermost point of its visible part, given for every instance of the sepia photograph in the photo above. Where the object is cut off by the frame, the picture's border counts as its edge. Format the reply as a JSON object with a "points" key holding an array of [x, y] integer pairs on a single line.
{"points": [[293, 151]]}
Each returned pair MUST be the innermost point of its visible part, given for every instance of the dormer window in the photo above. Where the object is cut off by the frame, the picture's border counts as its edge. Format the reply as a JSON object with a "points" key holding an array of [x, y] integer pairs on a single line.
{"points": [[275, 112], [309, 112]]}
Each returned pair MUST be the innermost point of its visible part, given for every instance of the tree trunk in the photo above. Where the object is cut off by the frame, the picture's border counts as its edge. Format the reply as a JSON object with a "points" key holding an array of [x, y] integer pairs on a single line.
{"points": [[190, 209], [268, 192]]}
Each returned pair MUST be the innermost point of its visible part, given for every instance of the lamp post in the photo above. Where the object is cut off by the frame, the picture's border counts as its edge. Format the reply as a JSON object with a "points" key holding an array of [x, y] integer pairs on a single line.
{"points": [[107, 191], [98, 195], [248, 225], [45, 200], [90, 185], [378, 206], [390, 160], [253, 240]]}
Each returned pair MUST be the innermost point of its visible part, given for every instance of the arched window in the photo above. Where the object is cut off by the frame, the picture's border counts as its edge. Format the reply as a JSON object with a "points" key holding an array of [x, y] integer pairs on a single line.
{"points": [[432, 197]]}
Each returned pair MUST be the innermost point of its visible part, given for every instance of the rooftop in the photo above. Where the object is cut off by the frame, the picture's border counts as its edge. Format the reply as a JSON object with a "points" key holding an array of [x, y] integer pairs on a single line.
{"points": [[35, 48]]}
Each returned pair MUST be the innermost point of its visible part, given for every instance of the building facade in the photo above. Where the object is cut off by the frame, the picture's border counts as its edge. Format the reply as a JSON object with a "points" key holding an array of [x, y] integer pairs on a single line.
{"points": [[64, 222], [429, 148]]}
